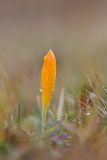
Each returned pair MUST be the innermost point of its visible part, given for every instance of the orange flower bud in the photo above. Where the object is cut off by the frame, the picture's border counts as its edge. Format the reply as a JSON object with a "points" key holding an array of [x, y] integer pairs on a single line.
{"points": [[47, 81]]}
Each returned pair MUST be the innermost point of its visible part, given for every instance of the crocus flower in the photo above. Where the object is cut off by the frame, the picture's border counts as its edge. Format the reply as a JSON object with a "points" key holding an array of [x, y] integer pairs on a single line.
{"points": [[47, 83]]}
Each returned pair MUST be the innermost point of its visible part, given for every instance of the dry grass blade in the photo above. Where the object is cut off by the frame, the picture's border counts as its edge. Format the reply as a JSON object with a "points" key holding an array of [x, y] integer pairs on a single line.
{"points": [[60, 105]]}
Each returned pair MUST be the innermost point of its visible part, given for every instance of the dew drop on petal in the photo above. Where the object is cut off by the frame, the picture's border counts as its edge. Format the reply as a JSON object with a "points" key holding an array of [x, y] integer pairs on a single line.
{"points": [[40, 90]]}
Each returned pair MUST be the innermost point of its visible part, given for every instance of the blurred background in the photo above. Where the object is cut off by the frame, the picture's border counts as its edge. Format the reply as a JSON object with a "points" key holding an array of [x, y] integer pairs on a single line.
{"points": [[76, 31]]}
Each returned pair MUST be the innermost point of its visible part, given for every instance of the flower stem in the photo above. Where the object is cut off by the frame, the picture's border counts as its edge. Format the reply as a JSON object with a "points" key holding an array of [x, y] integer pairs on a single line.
{"points": [[44, 115]]}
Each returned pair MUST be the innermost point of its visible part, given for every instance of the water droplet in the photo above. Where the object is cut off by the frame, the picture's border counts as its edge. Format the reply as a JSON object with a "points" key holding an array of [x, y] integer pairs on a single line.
{"points": [[88, 113], [40, 90]]}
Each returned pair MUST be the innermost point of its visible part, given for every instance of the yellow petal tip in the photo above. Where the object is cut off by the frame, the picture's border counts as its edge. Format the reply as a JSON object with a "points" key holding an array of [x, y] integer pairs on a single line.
{"points": [[50, 55]]}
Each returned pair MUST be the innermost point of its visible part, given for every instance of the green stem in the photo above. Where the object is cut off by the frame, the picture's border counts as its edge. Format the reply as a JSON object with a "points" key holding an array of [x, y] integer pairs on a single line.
{"points": [[44, 116]]}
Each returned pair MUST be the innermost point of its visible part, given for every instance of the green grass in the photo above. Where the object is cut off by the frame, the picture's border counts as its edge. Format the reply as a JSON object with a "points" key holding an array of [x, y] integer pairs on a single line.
{"points": [[76, 126]]}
